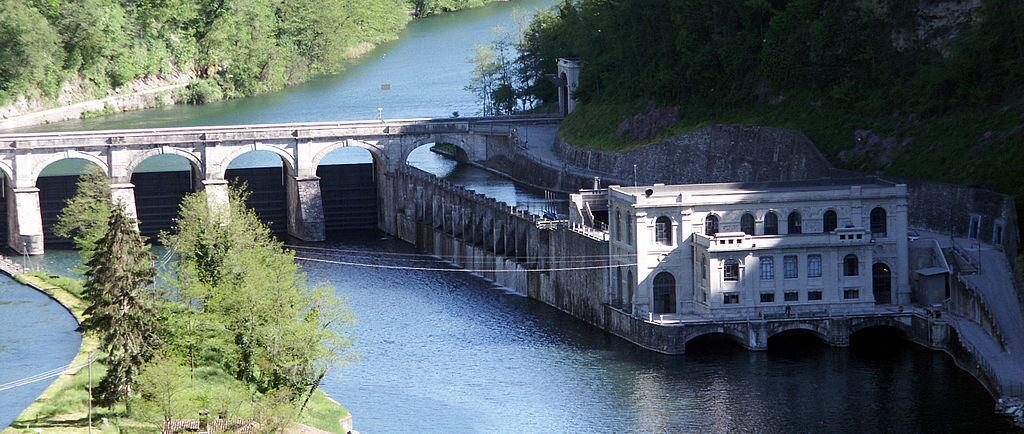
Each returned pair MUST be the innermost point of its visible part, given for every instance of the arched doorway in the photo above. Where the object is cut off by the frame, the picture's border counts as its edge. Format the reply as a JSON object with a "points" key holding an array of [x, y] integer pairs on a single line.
{"points": [[664, 293], [881, 283], [563, 94], [348, 190], [161, 183], [57, 183], [264, 175]]}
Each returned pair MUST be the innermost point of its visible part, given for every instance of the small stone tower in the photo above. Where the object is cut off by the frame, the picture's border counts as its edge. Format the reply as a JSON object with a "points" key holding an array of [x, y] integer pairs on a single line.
{"points": [[568, 79]]}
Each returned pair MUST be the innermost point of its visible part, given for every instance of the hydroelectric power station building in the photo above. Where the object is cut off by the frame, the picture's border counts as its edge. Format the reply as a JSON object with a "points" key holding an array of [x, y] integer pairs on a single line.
{"points": [[753, 250]]}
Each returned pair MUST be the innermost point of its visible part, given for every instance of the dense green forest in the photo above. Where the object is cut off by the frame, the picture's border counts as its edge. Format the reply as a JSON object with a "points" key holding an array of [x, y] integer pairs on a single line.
{"points": [[234, 47], [925, 89]]}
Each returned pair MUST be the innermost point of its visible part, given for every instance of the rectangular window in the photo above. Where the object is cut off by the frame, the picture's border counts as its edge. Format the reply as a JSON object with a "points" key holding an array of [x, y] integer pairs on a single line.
{"points": [[814, 266], [791, 296], [767, 268], [731, 298], [850, 294], [732, 270], [789, 262], [814, 295], [767, 297]]}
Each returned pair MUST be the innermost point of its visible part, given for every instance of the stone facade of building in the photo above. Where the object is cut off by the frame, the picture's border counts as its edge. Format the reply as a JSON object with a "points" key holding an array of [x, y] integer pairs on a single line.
{"points": [[758, 249]]}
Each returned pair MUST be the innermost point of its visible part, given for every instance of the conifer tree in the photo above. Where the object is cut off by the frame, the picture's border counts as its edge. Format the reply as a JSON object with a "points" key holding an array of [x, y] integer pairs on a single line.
{"points": [[84, 217], [123, 309]]}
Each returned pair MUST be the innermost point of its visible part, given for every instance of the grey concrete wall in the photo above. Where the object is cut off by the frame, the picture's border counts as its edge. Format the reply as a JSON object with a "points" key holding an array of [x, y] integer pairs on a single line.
{"points": [[580, 293]]}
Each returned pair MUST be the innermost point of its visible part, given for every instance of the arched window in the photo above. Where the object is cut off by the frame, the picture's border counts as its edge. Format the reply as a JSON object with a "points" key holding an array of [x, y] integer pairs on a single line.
{"points": [[851, 266], [732, 270], [747, 224], [795, 223], [829, 221], [663, 231], [879, 224], [618, 225], [711, 225], [664, 293], [771, 223]]}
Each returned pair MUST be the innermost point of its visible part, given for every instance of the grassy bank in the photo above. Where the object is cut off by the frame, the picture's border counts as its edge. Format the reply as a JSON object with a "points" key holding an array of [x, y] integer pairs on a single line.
{"points": [[63, 407]]}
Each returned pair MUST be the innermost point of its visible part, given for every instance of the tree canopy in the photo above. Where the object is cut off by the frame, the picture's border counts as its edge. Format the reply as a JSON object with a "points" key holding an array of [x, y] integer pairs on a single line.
{"points": [[235, 47]]}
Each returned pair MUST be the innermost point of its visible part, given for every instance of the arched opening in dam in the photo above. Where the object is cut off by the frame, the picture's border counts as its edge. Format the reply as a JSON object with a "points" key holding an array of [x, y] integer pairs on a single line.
{"points": [[714, 343], [796, 339], [264, 174], [438, 158], [57, 183], [879, 340], [161, 182], [348, 189]]}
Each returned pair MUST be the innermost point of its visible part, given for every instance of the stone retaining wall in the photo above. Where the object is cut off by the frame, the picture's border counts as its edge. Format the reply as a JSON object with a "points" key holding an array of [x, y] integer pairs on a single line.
{"points": [[718, 153]]}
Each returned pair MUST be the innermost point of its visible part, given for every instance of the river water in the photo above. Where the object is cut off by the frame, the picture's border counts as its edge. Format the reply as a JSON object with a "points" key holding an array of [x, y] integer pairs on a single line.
{"points": [[36, 335], [450, 352]]}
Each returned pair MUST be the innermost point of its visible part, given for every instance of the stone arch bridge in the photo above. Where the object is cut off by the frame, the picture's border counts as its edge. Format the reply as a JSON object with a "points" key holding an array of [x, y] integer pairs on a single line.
{"points": [[209, 150]]}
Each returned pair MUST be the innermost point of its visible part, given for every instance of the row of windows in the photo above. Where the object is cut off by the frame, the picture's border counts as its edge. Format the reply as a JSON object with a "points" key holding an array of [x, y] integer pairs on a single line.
{"points": [[663, 225], [769, 297], [794, 223], [790, 267]]}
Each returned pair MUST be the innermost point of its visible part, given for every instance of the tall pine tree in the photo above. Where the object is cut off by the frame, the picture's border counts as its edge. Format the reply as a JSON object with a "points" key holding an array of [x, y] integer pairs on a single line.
{"points": [[84, 217], [123, 307]]}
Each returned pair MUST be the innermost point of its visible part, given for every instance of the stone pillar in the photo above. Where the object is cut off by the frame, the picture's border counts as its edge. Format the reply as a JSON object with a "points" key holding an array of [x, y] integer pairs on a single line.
{"points": [[124, 195], [387, 208], [305, 209], [217, 196], [25, 221], [901, 290]]}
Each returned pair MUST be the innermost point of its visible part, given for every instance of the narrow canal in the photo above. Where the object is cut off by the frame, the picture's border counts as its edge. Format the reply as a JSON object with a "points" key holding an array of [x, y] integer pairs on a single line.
{"points": [[449, 352]]}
